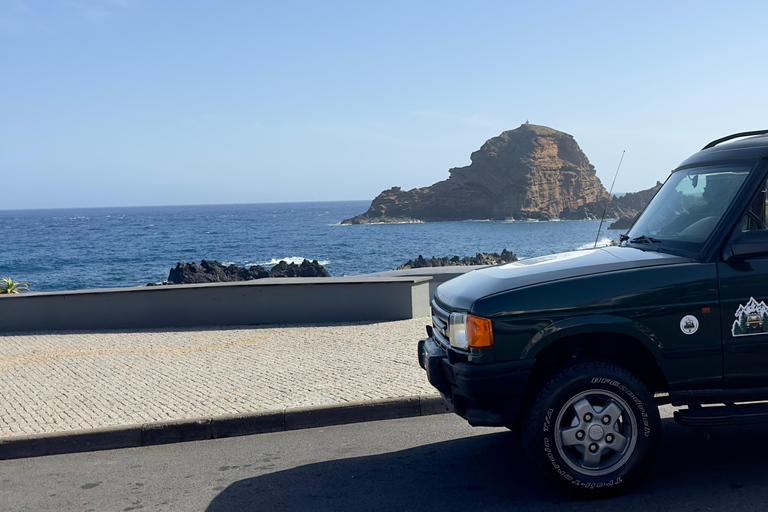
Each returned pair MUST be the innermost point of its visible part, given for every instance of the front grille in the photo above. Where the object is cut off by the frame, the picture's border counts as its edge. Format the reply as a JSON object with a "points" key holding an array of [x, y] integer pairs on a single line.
{"points": [[440, 324]]}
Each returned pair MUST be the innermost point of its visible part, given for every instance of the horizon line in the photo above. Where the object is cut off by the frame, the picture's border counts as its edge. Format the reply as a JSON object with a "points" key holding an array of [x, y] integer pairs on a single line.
{"points": [[178, 205]]}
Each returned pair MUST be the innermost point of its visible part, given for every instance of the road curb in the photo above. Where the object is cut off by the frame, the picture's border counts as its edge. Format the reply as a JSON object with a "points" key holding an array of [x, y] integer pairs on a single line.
{"points": [[198, 429]]}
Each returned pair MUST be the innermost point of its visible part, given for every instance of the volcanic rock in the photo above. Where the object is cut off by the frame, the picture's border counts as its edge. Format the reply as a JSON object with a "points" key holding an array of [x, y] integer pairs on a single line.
{"points": [[283, 269], [531, 172], [481, 258], [622, 223], [637, 201], [625, 208], [214, 272], [306, 269]]}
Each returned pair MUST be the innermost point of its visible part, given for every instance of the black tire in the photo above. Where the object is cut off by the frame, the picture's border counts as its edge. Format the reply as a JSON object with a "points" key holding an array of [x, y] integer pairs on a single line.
{"points": [[593, 429]]}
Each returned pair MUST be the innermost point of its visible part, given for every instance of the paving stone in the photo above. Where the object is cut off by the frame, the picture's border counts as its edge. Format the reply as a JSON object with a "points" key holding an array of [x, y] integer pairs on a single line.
{"points": [[72, 380]]}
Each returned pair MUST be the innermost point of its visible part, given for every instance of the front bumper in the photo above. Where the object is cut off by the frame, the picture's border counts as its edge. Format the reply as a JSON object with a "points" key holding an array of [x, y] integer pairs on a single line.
{"points": [[483, 394]]}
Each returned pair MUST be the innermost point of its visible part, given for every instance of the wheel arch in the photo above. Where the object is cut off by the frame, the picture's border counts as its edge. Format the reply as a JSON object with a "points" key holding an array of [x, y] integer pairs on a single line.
{"points": [[617, 340]]}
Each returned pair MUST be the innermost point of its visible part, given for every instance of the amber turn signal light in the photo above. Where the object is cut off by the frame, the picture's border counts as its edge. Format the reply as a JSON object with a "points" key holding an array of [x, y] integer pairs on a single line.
{"points": [[479, 332]]}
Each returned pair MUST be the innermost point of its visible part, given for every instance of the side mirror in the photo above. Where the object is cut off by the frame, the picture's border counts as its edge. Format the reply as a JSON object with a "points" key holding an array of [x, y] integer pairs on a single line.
{"points": [[751, 243]]}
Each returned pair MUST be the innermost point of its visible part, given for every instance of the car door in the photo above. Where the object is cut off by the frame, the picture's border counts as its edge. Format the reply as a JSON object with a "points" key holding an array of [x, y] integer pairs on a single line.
{"points": [[744, 300]]}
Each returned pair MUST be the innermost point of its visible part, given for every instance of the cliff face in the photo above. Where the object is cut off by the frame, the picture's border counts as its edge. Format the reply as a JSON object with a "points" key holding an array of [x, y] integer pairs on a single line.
{"points": [[532, 172]]}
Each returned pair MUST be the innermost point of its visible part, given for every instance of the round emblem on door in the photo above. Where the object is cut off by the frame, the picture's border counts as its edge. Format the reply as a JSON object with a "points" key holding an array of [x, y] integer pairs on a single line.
{"points": [[689, 324]]}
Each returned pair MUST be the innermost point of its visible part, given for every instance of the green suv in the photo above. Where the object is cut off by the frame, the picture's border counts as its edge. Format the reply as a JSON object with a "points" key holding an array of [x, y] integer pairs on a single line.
{"points": [[577, 350]]}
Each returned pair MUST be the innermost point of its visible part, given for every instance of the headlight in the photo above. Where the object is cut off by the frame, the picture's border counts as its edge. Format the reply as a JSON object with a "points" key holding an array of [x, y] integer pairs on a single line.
{"points": [[466, 331], [457, 330]]}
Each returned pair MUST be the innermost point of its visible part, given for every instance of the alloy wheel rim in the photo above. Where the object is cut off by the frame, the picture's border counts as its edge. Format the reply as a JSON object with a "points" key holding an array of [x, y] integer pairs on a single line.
{"points": [[595, 432]]}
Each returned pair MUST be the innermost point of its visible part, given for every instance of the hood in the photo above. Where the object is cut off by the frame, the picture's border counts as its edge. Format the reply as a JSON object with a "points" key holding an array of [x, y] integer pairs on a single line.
{"points": [[461, 292]]}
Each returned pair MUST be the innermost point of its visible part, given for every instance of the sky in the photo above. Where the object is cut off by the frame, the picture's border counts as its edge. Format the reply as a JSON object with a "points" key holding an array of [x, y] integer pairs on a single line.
{"points": [[138, 102]]}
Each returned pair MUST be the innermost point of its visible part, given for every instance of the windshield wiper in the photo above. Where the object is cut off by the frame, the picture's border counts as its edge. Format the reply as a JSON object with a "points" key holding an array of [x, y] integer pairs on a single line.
{"points": [[653, 242]]}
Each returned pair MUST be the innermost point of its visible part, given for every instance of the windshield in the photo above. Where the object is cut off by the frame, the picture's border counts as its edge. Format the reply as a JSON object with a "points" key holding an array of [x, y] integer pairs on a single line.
{"points": [[686, 210]]}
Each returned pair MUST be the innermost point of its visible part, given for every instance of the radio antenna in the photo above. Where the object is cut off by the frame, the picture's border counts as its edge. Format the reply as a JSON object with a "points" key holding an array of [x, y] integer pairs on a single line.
{"points": [[610, 193]]}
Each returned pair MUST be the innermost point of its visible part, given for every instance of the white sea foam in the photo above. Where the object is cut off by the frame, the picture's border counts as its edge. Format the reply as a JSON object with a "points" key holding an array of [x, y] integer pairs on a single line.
{"points": [[603, 242], [386, 223], [379, 223], [292, 259]]}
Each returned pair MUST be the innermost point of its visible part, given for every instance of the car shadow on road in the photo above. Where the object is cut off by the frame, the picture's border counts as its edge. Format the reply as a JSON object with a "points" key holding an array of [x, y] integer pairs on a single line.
{"points": [[695, 470]]}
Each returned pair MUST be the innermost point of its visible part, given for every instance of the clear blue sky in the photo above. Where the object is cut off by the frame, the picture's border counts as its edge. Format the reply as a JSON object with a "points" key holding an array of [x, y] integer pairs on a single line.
{"points": [[138, 102]]}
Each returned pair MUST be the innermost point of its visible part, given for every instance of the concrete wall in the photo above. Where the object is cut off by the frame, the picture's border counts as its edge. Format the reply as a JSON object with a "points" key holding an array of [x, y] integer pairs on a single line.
{"points": [[263, 301], [439, 275]]}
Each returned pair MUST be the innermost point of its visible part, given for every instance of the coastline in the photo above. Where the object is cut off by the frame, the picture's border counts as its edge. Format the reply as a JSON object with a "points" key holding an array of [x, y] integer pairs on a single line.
{"points": [[132, 247]]}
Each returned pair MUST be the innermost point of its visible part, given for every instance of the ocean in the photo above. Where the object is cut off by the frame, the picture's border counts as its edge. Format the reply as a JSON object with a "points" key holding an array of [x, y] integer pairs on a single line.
{"points": [[72, 249]]}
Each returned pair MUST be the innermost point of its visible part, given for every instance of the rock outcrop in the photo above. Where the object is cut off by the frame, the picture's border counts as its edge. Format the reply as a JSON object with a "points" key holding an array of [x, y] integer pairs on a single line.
{"points": [[215, 272], [306, 269], [622, 223], [531, 172], [625, 208], [481, 258]]}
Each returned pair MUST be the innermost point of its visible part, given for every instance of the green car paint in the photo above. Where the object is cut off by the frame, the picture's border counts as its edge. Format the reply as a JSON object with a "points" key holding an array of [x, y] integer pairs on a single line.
{"points": [[680, 304]]}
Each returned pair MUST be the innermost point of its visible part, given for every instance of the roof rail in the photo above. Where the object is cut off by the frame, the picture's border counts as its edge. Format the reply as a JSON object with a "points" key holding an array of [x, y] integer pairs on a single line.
{"points": [[734, 136]]}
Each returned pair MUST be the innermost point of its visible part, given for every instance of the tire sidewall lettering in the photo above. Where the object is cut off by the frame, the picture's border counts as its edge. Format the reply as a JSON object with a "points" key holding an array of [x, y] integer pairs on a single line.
{"points": [[548, 419], [634, 398]]}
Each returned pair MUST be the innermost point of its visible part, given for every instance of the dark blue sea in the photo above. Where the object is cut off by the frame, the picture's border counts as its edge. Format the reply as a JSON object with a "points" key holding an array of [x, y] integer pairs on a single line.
{"points": [[72, 249]]}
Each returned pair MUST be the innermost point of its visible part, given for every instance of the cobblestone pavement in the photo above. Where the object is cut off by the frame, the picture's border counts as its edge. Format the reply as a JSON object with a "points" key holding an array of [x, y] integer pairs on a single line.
{"points": [[79, 380]]}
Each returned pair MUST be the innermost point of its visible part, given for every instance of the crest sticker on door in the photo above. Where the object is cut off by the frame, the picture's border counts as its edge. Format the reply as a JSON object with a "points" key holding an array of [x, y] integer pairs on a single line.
{"points": [[751, 319]]}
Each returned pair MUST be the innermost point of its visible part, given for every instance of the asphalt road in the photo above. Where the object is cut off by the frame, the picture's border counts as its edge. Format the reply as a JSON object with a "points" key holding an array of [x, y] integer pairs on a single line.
{"points": [[433, 463]]}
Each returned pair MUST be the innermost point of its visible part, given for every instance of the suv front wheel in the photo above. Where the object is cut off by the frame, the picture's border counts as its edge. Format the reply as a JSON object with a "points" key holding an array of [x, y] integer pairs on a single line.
{"points": [[593, 429]]}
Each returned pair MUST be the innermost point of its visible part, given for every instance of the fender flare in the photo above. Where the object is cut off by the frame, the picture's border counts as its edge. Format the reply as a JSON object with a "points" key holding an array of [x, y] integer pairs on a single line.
{"points": [[591, 324]]}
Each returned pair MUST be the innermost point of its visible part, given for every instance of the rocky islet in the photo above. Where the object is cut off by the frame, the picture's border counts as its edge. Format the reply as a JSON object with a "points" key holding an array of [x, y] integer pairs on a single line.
{"points": [[529, 173]]}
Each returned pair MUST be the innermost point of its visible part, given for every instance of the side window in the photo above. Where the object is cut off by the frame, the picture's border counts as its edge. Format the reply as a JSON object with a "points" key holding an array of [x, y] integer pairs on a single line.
{"points": [[756, 217]]}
